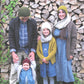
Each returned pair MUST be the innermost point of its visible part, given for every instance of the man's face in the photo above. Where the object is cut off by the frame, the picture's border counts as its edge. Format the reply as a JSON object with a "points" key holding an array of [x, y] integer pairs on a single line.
{"points": [[26, 66], [24, 19]]}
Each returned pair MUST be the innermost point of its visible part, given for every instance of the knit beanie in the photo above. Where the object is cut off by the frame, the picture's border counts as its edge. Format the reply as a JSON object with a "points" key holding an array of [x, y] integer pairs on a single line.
{"points": [[23, 12], [26, 60], [46, 25], [63, 8]]}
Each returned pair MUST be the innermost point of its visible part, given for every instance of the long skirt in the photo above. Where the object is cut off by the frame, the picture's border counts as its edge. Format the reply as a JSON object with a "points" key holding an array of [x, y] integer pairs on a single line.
{"points": [[63, 66]]}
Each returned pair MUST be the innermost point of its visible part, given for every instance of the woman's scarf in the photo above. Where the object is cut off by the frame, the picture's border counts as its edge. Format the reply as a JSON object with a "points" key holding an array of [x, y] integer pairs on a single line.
{"points": [[62, 23], [46, 39]]}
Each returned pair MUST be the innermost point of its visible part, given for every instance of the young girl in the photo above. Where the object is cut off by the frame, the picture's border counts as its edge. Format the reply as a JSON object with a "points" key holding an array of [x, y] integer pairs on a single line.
{"points": [[26, 72], [66, 35], [46, 50]]}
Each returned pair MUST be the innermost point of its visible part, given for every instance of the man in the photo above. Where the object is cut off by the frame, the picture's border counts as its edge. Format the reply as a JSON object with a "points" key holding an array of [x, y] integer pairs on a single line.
{"points": [[22, 39]]}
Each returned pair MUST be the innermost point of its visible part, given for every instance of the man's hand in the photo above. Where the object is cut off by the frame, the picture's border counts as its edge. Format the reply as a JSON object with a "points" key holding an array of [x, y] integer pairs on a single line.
{"points": [[15, 57], [32, 56]]}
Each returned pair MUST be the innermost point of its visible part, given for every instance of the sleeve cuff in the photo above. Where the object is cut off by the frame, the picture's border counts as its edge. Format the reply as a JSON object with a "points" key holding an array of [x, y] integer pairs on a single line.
{"points": [[12, 50], [33, 50]]}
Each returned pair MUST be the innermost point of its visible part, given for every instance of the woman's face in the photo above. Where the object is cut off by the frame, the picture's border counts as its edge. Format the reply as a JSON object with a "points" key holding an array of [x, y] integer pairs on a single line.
{"points": [[61, 14], [46, 32]]}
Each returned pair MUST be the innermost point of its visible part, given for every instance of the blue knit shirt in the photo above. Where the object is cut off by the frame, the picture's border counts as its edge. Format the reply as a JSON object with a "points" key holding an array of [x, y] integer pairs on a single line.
{"points": [[23, 39], [23, 36]]}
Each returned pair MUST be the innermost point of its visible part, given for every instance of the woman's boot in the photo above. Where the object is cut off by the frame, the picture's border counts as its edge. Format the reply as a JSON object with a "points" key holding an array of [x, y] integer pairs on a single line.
{"points": [[71, 82], [68, 83]]}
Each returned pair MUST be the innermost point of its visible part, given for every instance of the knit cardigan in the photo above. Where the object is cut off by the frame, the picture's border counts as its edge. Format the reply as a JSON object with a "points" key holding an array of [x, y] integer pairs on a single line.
{"points": [[51, 51], [71, 39]]}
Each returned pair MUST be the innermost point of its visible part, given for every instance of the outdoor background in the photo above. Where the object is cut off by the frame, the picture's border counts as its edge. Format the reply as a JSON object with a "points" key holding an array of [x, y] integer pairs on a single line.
{"points": [[41, 10]]}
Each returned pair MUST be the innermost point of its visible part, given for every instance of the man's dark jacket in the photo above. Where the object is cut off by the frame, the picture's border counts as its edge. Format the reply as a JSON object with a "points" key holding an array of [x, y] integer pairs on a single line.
{"points": [[14, 33]]}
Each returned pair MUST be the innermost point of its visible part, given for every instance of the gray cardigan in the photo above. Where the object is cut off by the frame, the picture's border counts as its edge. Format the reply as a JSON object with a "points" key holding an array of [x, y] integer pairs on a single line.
{"points": [[71, 40]]}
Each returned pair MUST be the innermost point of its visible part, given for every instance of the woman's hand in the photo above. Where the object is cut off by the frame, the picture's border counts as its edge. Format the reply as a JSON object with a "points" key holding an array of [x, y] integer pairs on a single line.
{"points": [[39, 38], [71, 56]]}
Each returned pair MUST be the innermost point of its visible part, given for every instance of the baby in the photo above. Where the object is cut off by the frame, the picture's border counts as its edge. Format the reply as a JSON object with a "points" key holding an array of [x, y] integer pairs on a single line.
{"points": [[26, 72]]}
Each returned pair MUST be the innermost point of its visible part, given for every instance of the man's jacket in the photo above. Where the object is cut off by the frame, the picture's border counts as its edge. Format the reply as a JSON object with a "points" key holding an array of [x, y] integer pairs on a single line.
{"points": [[14, 33]]}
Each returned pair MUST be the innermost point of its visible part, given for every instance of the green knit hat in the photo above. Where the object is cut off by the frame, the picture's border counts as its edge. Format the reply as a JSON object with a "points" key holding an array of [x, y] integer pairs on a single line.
{"points": [[63, 8], [23, 12]]}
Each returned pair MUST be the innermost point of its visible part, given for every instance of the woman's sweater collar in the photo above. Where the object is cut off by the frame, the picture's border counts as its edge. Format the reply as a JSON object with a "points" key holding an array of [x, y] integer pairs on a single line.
{"points": [[63, 23], [46, 39]]}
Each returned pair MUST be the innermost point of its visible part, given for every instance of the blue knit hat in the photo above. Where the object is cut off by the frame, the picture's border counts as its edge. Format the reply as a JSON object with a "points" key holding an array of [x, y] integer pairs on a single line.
{"points": [[23, 12]]}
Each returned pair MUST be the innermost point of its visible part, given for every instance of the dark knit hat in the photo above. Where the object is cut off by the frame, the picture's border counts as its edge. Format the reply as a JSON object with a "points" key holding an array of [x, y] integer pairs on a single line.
{"points": [[26, 60], [23, 12]]}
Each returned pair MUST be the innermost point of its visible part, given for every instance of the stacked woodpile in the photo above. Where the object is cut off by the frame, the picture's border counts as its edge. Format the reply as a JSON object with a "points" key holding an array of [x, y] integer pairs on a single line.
{"points": [[46, 10]]}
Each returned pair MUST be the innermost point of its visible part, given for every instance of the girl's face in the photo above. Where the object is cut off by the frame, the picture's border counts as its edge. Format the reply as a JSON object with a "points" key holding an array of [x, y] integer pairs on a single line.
{"points": [[46, 32], [26, 66], [61, 14]]}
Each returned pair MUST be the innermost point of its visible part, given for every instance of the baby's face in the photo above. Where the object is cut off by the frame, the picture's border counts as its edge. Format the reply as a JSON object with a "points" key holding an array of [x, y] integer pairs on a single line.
{"points": [[26, 66]]}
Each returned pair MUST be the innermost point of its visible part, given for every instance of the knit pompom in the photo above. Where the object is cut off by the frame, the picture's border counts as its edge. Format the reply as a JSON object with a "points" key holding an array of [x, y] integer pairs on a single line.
{"points": [[46, 25]]}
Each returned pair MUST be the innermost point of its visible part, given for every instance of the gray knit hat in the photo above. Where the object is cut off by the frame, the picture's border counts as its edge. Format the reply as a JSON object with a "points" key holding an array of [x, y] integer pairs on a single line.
{"points": [[24, 12]]}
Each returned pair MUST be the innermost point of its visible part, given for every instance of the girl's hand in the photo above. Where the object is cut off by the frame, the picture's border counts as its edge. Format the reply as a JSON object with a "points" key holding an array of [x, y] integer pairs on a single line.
{"points": [[44, 60]]}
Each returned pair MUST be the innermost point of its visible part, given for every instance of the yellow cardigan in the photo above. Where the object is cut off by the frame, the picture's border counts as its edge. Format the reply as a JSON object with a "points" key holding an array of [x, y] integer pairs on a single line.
{"points": [[51, 51]]}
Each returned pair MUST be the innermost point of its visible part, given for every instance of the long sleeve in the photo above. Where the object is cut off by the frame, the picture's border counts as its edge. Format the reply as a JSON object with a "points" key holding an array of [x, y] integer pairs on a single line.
{"points": [[39, 50], [56, 32], [34, 35], [12, 35], [52, 50], [73, 38], [33, 67]]}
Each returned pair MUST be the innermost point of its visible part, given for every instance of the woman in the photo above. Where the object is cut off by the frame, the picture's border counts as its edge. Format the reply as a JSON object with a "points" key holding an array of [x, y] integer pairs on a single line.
{"points": [[65, 34]]}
